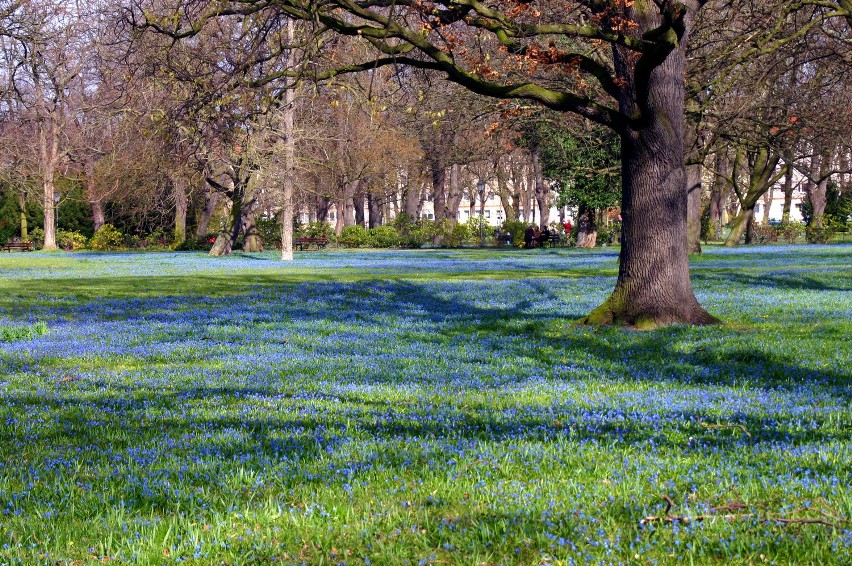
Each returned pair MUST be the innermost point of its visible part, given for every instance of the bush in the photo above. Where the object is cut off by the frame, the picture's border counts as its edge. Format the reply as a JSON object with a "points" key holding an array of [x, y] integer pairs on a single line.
{"points": [[461, 233], [353, 237], [792, 232], [515, 228], [68, 240], [157, 238], [384, 237], [269, 231], [423, 232], [195, 244], [316, 230], [818, 235], [761, 234], [107, 238], [36, 236]]}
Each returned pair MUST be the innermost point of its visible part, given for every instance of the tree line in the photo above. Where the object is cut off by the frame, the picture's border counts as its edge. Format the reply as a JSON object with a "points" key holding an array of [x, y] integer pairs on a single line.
{"points": [[167, 115]]}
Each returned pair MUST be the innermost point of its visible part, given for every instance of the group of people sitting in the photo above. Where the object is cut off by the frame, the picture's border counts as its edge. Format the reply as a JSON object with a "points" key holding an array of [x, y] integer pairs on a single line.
{"points": [[535, 238]]}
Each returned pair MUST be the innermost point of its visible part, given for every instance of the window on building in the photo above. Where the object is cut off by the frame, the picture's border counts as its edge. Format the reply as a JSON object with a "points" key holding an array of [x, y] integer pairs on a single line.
{"points": [[428, 216], [332, 217], [487, 214]]}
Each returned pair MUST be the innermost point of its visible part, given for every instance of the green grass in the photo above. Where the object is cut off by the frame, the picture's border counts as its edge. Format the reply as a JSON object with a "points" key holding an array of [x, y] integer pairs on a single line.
{"points": [[421, 407]]}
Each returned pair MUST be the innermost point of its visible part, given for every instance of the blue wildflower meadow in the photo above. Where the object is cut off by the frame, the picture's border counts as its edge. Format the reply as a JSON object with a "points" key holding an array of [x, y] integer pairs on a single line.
{"points": [[425, 407]]}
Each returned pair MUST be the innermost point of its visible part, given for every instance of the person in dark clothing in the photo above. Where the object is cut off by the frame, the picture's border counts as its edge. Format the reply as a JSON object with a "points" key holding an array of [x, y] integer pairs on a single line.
{"points": [[529, 235], [544, 237]]}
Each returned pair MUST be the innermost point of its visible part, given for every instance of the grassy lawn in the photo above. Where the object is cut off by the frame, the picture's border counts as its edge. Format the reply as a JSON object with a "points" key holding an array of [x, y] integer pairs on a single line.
{"points": [[429, 407]]}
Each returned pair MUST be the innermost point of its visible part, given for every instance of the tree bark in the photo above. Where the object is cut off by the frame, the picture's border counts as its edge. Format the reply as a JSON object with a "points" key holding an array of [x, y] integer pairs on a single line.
{"points": [[653, 286], [374, 205], [541, 190], [211, 199], [22, 208], [181, 205], [718, 196], [788, 197], [92, 195], [287, 212], [587, 228], [693, 208]]}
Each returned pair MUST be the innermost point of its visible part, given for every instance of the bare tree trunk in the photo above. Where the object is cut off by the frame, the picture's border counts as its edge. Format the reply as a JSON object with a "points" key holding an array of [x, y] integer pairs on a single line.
{"points": [[503, 191], [358, 208], [92, 196], [455, 193], [587, 227], [767, 205], [412, 199], [211, 199], [693, 208], [22, 208], [788, 197], [287, 212], [49, 214], [374, 204], [541, 190], [718, 196], [181, 205]]}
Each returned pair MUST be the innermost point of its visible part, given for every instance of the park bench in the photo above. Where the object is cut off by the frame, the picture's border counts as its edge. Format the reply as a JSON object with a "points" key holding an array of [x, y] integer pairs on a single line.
{"points": [[20, 246], [306, 243]]}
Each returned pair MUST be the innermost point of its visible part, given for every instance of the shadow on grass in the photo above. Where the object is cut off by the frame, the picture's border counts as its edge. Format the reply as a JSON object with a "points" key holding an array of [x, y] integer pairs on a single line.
{"points": [[137, 424]]}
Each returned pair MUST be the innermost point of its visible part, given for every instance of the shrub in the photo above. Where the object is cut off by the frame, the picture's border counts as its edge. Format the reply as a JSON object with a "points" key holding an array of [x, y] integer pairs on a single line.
{"points": [[761, 234], [269, 231], [68, 240], [195, 245], [157, 238], [423, 232], [353, 237], [818, 234], [107, 238], [384, 237], [515, 228], [460, 233], [316, 230], [36, 236], [792, 232]]}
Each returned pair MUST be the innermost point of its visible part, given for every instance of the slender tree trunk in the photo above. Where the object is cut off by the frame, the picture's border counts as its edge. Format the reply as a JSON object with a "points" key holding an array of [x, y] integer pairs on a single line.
{"points": [[767, 205], [49, 189], [211, 199], [817, 194], [718, 196], [587, 227], [455, 194], [541, 190], [503, 191], [181, 206], [22, 208], [653, 286], [287, 208], [788, 197], [92, 196], [693, 208]]}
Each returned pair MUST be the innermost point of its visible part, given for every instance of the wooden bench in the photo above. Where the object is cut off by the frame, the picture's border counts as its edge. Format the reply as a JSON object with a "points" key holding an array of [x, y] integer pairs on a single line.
{"points": [[306, 243], [20, 246]]}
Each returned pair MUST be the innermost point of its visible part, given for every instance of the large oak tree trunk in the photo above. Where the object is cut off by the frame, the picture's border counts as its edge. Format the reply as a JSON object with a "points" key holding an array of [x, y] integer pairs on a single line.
{"points": [[653, 286]]}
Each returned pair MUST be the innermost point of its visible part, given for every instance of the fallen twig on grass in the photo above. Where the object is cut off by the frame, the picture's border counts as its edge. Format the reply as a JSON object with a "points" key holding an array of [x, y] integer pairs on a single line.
{"points": [[829, 520], [726, 426]]}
